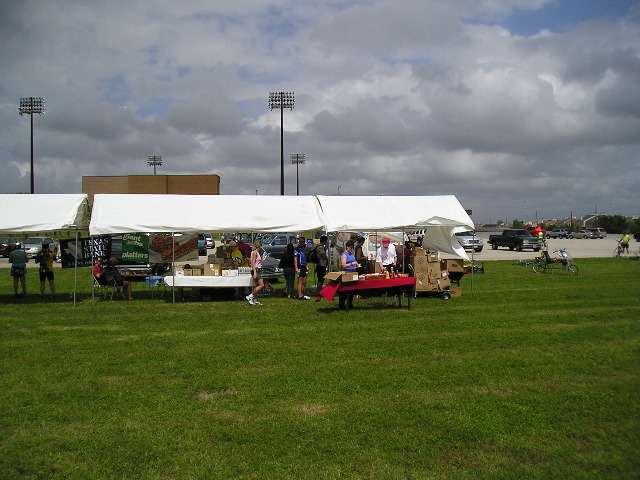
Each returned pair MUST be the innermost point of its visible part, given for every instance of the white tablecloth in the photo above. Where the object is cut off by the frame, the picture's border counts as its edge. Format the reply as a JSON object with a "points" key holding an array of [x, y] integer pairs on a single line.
{"points": [[209, 282]]}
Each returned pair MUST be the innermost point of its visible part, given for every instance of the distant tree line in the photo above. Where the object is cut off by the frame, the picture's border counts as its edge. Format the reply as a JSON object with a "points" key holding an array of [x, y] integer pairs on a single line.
{"points": [[611, 223]]}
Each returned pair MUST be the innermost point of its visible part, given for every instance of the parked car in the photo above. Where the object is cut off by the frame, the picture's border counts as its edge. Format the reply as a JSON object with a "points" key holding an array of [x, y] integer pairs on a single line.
{"points": [[636, 236], [33, 245], [597, 232], [8, 245], [470, 241], [208, 241], [417, 237], [581, 234], [202, 245], [558, 233]]}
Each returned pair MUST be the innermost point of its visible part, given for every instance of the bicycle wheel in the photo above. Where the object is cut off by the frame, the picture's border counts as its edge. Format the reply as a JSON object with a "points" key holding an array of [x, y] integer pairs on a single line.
{"points": [[616, 252], [539, 267], [572, 269]]}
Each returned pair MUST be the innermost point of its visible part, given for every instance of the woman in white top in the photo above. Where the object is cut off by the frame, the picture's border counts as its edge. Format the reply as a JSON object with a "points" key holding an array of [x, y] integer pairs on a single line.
{"points": [[256, 265]]}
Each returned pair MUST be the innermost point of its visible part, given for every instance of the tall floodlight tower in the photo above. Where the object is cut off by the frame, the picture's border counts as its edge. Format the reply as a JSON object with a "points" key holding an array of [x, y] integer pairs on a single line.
{"points": [[29, 106], [154, 160], [297, 159], [281, 100]]}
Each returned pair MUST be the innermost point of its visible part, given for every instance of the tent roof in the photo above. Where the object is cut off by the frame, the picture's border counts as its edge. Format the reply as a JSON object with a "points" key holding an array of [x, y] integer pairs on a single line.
{"points": [[129, 213], [345, 213], [42, 212], [113, 213]]}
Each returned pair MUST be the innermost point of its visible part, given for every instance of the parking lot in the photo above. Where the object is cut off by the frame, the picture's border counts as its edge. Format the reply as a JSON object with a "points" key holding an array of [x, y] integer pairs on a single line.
{"points": [[577, 248]]}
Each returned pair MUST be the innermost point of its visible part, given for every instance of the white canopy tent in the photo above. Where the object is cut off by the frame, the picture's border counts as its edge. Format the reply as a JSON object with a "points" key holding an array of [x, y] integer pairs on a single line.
{"points": [[22, 213], [114, 213], [441, 215], [25, 213]]}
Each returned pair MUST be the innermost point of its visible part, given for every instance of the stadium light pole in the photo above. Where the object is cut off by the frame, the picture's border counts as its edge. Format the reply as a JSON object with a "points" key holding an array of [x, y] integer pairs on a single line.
{"points": [[281, 100], [29, 106], [153, 160], [297, 159]]}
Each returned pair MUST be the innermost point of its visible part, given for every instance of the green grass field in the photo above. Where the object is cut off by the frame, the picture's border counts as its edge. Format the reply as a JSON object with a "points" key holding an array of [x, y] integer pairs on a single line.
{"points": [[532, 376]]}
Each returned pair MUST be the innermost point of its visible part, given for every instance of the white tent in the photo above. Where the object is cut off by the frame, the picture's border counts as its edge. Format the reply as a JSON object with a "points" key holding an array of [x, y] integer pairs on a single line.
{"points": [[114, 213], [42, 212], [441, 215], [22, 213]]}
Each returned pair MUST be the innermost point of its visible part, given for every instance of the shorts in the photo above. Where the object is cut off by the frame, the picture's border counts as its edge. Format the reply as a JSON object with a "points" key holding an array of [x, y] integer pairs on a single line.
{"points": [[46, 275], [18, 271], [302, 272], [258, 275], [321, 272]]}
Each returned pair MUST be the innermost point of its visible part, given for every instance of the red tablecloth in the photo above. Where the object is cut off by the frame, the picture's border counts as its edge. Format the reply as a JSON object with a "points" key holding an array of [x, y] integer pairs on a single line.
{"points": [[333, 287]]}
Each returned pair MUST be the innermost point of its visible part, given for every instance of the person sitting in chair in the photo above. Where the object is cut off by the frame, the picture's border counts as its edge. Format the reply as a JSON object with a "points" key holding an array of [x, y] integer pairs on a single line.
{"points": [[112, 270]]}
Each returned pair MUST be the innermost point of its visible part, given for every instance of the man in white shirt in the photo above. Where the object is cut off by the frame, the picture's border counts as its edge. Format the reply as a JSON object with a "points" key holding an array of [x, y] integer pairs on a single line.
{"points": [[386, 256]]}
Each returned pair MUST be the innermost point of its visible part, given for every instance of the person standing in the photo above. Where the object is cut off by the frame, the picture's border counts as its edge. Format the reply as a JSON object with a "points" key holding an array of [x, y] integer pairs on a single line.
{"points": [[386, 256], [360, 257], [255, 263], [18, 260], [321, 266], [624, 242], [45, 259], [301, 267], [287, 264], [349, 264]]}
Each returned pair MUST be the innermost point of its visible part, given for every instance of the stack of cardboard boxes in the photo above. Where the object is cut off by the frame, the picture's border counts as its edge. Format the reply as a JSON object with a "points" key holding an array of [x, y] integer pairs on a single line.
{"points": [[432, 274]]}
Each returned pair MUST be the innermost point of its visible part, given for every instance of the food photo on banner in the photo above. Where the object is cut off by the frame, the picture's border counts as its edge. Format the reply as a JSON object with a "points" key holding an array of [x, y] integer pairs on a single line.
{"points": [[84, 250], [162, 247]]}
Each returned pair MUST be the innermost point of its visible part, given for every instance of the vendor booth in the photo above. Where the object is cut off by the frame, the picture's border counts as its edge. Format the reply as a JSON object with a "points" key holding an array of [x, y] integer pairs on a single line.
{"points": [[24, 213], [125, 213]]}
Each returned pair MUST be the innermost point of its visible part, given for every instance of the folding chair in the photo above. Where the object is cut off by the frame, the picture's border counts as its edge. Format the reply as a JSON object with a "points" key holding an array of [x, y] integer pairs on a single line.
{"points": [[113, 287], [99, 288]]}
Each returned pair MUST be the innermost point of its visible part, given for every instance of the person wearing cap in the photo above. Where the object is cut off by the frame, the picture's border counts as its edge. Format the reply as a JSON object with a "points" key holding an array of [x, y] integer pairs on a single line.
{"points": [[112, 270], [237, 257], [386, 256], [45, 259]]}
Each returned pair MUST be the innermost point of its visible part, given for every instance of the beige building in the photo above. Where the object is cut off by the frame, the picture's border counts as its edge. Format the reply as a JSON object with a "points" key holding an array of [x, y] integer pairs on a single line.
{"points": [[174, 184]]}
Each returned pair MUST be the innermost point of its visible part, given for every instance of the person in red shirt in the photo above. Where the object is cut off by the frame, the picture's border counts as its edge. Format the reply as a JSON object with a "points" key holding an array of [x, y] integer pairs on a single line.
{"points": [[98, 271]]}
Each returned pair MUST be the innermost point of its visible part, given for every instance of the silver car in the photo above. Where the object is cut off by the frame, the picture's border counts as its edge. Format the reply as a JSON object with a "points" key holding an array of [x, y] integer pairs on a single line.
{"points": [[469, 241], [33, 245]]}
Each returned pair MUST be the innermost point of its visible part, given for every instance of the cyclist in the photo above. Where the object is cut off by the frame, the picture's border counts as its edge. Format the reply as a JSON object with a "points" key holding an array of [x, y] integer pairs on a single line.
{"points": [[624, 242]]}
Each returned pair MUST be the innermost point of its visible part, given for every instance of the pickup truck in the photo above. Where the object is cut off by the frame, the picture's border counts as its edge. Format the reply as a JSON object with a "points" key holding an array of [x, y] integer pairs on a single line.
{"points": [[517, 239], [276, 245]]}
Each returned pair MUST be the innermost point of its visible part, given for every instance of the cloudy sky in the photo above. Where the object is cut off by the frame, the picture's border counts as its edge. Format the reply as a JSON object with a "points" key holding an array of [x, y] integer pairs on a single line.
{"points": [[521, 108]]}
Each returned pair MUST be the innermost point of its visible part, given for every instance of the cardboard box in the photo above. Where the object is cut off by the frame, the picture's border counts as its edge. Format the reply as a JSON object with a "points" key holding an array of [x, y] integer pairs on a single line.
{"points": [[455, 292], [229, 273], [342, 276], [187, 272], [451, 265], [212, 269]]}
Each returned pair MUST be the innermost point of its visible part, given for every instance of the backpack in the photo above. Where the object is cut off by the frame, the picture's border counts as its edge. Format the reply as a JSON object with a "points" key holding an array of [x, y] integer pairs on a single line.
{"points": [[313, 255]]}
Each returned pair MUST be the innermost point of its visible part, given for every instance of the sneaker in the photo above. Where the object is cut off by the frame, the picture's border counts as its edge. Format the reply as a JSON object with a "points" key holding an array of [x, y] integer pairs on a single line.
{"points": [[250, 298], [304, 297], [255, 302]]}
